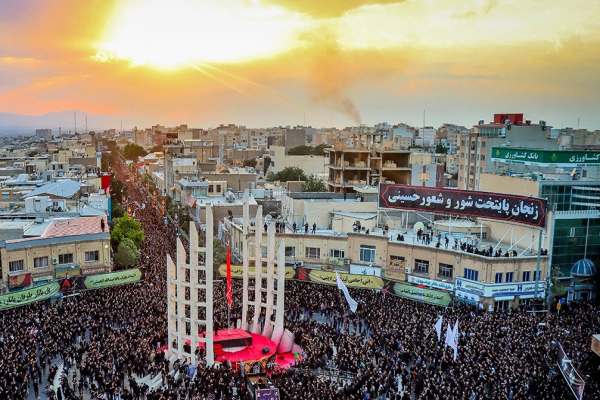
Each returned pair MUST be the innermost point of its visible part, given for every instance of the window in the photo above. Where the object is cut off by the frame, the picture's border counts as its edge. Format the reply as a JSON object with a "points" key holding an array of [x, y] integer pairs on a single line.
{"points": [[526, 276], [66, 258], [218, 188], [290, 251], [16, 266], [445, 271], [421, 266], [498, 277], [367, 253], [335, 253], [40, 262], [509, 277], [537, 275], [92, 256], [263, 251], [471, 274], [313, 252], [210, 188]]}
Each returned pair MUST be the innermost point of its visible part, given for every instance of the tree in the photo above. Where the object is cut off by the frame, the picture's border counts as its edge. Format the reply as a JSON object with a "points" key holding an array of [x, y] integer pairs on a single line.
{"points": [[314, 184], [304, 150], [117, 210], [126, 228], [301, 150], [127, 253], [440, 149], [132, 151], [288, 174], [118, 190]]}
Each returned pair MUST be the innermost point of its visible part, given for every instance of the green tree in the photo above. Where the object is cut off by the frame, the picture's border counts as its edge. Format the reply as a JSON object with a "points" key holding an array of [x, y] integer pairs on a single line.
{"points": [[127, 253], [132, 151], [440, 149], [301, 150], [117, 210], [314, 184], [118, 190], [126, 228], [304, 150], [288, 174]]}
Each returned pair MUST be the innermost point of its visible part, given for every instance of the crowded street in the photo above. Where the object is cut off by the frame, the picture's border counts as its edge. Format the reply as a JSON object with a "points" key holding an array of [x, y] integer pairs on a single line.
{"points": [[102, 340]]}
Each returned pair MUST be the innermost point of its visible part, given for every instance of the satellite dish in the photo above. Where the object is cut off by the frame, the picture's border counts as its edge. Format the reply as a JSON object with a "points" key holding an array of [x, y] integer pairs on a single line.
{"points": [[419, 225]]}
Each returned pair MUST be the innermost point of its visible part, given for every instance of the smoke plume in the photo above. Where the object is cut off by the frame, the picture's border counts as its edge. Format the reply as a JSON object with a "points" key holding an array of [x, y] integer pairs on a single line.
{"points": [[328, 75]]}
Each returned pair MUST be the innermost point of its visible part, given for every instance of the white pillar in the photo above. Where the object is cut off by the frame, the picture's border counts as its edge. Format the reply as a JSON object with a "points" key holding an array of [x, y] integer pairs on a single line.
{"points": [[208, 265], [257, 271], [280, 306], [270, 272], [245, 261]]}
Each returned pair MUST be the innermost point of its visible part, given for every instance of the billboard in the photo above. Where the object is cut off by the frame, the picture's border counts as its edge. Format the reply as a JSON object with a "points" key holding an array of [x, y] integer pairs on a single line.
{"points": [[557, 158], [499, 206], [124, 277], [27, 296]]}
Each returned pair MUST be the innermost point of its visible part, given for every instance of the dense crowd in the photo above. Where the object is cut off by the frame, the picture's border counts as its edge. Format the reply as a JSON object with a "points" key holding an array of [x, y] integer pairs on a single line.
{"points": [[387, 350]]}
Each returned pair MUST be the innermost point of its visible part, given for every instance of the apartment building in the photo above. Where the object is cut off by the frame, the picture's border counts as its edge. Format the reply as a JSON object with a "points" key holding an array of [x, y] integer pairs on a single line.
{"points": [[43, 250], [366, 161]]}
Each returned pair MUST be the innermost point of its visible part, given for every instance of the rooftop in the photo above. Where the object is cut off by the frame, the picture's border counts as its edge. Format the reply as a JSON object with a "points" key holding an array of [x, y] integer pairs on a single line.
{"points": [[75, 226], [65, 188]]}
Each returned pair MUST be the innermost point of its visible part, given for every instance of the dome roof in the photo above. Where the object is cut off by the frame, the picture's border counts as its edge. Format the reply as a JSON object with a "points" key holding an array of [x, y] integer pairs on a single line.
{"points": [[583, 268]]}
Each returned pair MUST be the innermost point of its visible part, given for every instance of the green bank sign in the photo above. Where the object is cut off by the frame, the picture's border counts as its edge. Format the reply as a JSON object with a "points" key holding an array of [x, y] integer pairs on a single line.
{"points": [[559, 158], [27, 296], [113, 279], [416, 293]]}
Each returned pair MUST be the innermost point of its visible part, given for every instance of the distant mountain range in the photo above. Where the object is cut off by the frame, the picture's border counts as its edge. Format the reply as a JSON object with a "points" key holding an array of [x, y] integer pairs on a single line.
{"points": [[18, 124]]}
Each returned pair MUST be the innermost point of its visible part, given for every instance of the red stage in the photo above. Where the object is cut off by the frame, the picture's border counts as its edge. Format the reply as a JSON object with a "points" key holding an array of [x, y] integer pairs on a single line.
{"points": [[235, 345]]}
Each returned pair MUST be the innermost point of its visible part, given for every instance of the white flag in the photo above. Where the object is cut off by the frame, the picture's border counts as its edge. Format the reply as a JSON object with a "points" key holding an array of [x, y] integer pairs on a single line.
{"points": [[454, 343], [449, 333], [438, 328], [342, 286]]}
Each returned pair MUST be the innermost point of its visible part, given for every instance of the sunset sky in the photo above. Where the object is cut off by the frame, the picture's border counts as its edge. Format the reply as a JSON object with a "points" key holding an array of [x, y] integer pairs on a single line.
{"points": [[271, 62]]}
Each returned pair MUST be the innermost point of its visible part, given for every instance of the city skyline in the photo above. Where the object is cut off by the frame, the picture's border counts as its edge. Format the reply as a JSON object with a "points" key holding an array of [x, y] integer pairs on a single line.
{"points": [[329, 64]]}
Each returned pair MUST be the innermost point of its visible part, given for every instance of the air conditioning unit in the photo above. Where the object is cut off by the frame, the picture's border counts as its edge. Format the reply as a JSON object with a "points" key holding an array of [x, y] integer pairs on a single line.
{"points": [[54, 260]]}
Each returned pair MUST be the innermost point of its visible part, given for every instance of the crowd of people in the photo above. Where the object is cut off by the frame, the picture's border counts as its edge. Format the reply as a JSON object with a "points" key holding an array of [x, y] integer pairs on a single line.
{"points": [[388, 349]]}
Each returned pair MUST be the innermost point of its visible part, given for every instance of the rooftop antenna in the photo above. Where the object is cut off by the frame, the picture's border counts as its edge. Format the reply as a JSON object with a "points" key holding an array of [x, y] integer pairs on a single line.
{"points": [[86, 129], [75, 120], [578, 122]]}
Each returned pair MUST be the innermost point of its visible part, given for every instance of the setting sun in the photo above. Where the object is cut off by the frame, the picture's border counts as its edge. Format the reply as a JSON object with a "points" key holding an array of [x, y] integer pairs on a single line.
{"points": [[171, 34]]}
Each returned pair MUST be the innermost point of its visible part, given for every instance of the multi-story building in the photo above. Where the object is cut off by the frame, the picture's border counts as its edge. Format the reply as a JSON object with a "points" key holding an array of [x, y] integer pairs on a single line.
{"points": [[37, 250], [44, 134], [498, 282], [366, 161], [475, 148], [573, 231]]}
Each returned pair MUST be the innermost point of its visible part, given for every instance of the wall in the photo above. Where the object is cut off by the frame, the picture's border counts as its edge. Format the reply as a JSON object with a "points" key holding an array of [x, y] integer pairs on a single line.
{"points": [[319, 211], [311, 165]]}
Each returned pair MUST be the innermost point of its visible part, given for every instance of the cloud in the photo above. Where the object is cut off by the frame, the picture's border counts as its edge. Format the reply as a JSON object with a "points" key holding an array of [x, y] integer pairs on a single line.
{"points": [[328, 8], [481, 9]]}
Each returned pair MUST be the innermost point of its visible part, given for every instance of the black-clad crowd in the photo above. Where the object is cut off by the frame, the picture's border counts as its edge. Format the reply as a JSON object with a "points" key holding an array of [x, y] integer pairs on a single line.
{"points": [[387, 350]]}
